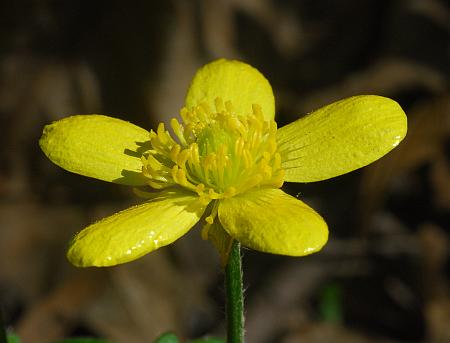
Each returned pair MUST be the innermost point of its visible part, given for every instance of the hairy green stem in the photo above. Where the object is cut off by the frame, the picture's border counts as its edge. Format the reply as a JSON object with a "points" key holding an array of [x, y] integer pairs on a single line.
{"points": [[234, 294]]}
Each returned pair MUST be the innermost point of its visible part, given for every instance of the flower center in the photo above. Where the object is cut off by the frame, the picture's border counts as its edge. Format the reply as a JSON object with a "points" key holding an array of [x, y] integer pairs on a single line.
{"points": [[217, 153]]}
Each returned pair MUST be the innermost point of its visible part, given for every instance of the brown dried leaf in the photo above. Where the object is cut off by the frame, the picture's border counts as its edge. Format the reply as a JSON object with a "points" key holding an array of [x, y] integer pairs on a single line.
{"points": [[53, 316]]}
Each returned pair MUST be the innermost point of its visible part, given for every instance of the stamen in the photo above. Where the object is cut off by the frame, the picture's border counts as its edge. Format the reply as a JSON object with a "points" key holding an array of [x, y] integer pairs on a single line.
{"points": [[183, 157], [185, 115], [250, 183], [157, 185], [178, 129], [174, 152], [175, 173], [200, 188], [248, 160], [209, 221], [161, 132], [194, 154], [216, 153], [181, 177], [239, 147], [144, 194]]}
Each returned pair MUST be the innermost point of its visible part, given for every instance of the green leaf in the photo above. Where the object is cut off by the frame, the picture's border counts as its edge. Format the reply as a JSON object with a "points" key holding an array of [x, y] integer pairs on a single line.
{"points": [[82, 340], [330, 303], [13, 338], [167, 338]]}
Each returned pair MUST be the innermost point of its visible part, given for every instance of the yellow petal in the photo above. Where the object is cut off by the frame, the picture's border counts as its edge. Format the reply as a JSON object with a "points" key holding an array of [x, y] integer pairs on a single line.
{"points": [[232, 81], [272, 221], [134, 232], [341, 137], [97, 146]]}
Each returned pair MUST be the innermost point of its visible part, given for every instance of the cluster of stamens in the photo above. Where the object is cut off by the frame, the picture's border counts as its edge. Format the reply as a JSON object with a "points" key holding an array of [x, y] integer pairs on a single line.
{"points": [[216, 154]]}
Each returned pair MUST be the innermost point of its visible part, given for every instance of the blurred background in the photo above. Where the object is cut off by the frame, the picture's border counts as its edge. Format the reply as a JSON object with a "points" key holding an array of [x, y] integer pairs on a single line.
{"points": [[384, 275]]}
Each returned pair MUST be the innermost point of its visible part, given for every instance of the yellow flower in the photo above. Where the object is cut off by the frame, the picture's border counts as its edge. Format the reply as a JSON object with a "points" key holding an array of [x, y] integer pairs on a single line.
{"points": [[225, 162]]}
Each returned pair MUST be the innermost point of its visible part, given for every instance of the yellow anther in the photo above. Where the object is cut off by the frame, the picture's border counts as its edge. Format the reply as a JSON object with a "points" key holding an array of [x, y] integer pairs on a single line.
{"points": [[201, 114], [278, 180], [248, 158], [209, 162], [213, 194], [185, 115], [252, 182], [267, 171], [209, 219], [176, 126], [143, 194], [189, 130], [183, 157], [200, 188], [161, 132], [147, 171], [257, 124], [222, 157], [174, 152], [236, 125], [256, 139], [238, 147], [205, 231], [181, 177], [223, 150], [273, 128], [194, 154], [178, 129], [157, 185], [204, 200], [153, 163]]}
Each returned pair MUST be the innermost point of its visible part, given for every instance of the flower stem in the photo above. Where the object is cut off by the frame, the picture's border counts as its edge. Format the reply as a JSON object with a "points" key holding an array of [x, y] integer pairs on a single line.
{"points": [[234, 295]]}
